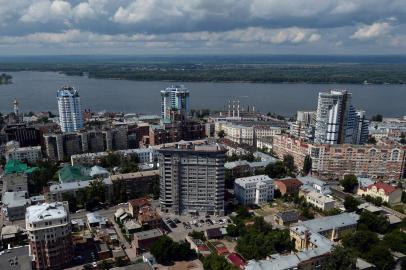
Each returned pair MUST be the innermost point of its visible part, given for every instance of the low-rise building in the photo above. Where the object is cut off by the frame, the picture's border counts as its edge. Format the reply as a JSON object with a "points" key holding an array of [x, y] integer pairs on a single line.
{"points": [[313, 241], [14, 182], [15, 203], [257, 189], [56, 191], [135, 205], [30, 154], [323, 202], [143, 240], [286, 218], [137, 184], [386, 192], [149, 218], [18, 258], [288, 186]]}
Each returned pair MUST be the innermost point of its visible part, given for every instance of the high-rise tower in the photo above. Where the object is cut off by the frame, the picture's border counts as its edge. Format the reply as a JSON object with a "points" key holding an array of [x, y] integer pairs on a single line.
{"points": [[70, 112], [337, 120], [174, 98]]}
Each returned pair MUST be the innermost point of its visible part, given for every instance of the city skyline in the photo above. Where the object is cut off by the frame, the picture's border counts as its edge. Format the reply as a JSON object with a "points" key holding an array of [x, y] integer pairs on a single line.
{"points": [[49, 27]]}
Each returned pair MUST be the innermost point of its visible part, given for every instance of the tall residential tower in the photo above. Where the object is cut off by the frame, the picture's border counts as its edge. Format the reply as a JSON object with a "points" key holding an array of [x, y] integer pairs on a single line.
{"points": [[174, 98], [337, 120], [70, 111], [49, 235], [192, 179]]}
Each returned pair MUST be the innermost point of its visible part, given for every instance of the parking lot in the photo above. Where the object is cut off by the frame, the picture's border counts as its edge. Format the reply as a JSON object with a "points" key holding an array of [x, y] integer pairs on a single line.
{"points": [[181, 226]]}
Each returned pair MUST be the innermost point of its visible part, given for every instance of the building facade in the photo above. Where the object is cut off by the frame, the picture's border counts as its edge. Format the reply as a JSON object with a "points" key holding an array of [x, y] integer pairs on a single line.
{"points": [[386, 192], [384, 160], [192, 179], [31, 154], [174, 98], [258, 189], [70, 110], [49, 235], [337, 120]]}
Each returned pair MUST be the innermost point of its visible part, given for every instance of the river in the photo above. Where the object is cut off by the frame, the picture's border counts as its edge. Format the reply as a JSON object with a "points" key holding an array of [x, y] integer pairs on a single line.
{"points": [[36, 91]]}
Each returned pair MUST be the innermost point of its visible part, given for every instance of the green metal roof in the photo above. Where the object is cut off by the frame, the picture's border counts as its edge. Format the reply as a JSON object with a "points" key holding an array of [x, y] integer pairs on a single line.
{"points": [[15, 166], [72, 174]]}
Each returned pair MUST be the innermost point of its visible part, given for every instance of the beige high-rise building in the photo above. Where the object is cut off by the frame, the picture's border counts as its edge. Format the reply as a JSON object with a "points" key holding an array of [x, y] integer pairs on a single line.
{"points": [[192, 179], [49, 235]]}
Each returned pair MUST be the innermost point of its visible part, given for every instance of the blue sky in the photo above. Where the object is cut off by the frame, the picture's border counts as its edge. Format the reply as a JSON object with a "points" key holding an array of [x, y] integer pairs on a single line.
{"points": [[202, 27]]}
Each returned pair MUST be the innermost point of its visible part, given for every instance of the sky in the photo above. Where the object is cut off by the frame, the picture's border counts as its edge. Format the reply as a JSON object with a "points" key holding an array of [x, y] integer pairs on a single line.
{"points": [[43, 27]]}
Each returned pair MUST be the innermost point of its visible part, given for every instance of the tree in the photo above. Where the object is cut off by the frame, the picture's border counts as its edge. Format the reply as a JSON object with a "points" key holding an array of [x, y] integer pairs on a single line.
{"points": [[166, 250], [111, 160], [216, 262], [374, 222], [276, 170], [351, 204], [380, 256], [396, 240], [221, 134], [341, 258], [360, 241], [377, 118], [307, 165], [197, 235], [371, 140], [289, 163], [349, 182]]}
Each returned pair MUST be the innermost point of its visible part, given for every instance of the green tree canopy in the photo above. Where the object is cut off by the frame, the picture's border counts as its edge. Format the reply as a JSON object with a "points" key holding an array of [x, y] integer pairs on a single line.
{"points": [[341, 258], [349, 182], [351, 204]]}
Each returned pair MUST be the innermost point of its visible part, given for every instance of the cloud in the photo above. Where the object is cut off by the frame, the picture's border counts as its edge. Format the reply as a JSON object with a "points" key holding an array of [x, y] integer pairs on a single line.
{"points": [[375, 30], [43, 11], [269, 25]]}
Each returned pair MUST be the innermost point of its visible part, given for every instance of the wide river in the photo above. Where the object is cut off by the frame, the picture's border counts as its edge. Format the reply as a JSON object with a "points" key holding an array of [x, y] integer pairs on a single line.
{"points": [[36, 91]]}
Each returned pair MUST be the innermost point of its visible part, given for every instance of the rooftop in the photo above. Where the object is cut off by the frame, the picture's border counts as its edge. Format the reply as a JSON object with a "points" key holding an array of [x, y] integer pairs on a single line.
{"points": [[15, 198], [320, 197], [252, 179], [46, 211], [16, 166], [15, 259], [388, 189], [134, 175], [62, 187], [72, 173], [148, 234], [331, 222]]}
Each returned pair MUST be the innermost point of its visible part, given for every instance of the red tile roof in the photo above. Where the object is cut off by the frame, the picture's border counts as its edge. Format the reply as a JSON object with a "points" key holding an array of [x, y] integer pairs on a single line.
{"points": [[289, 182], [236, 260], [381, 185]]}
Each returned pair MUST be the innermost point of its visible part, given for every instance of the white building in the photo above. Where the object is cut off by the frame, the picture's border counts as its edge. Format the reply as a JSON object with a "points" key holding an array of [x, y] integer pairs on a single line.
{"points": [[15, 203], [256, 189], [247, 133], [321, 201], [337, 121], [70, 111], [175, 97], [49, 235], [56, 191], [32, 154]]}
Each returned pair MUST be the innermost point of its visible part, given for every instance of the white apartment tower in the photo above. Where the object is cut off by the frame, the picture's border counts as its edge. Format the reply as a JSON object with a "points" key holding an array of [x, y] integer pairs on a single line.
{"points": [[192, 179], [70, 111], [336, 119], [49, 235], [175, 97]]}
